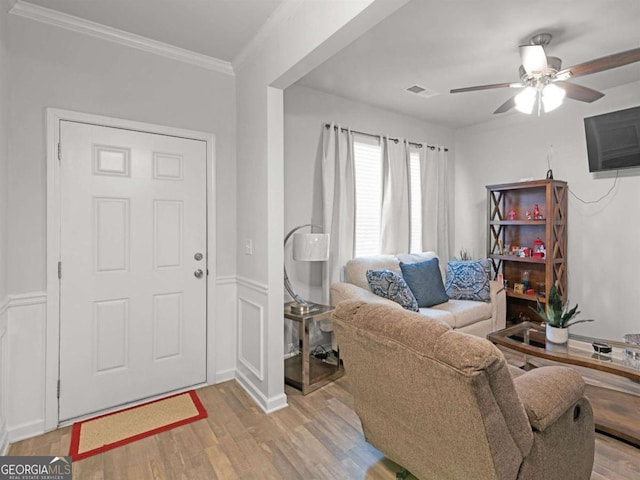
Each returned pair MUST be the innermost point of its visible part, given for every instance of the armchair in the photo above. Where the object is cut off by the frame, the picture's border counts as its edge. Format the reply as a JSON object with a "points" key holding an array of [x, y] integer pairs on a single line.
{"points": [[445, 405]]}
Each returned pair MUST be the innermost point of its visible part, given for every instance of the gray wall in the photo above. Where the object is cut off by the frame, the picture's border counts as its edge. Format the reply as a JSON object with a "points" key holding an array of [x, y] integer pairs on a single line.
{"points": [[4, 144], [53, 67]]}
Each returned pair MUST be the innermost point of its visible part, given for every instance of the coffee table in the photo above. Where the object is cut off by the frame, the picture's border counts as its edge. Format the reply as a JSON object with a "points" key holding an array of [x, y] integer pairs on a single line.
{"points": [[616, 413]]}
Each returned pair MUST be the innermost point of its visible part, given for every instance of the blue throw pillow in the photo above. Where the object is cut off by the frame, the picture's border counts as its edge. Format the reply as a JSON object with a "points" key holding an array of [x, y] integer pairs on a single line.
{"points": [[469, 280], [425, 281], [388, 284]]}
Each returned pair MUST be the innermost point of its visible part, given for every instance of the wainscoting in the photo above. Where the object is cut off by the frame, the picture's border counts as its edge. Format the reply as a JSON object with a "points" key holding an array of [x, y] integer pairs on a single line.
{"points": [[23, 362], [253, 362], [4, 434], [240, 336]]}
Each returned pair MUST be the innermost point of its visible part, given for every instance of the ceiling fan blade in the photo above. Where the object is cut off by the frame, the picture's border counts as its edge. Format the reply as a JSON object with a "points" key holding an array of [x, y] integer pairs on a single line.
{"points": [[487, 87], [601, 64], [578, 92], [506, 106], [534, 60]]}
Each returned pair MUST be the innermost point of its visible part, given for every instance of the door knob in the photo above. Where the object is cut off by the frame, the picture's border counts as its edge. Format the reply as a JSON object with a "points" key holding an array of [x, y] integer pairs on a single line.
{"points": [[198, 256], [198, 273]]}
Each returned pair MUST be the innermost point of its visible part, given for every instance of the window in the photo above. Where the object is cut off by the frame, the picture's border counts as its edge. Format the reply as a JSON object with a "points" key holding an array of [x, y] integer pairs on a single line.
{"points": [[415, 206], [368, 178]]}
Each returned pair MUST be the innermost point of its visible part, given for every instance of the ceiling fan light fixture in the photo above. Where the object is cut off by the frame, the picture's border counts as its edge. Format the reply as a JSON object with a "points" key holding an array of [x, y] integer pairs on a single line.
{"points": [[525, 100], [552, 97]]}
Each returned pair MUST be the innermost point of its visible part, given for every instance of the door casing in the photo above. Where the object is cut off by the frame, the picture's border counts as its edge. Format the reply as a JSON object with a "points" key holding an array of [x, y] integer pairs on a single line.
{"points": [[54, 116]]}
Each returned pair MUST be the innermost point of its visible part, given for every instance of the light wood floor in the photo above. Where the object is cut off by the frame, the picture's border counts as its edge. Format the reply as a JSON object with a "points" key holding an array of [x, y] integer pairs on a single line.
{"points": [[316, 437]]}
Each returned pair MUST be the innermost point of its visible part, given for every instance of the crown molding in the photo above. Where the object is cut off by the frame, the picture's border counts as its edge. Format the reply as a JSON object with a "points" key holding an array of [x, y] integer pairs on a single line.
{"points": [[87, 27], [282, 13]]}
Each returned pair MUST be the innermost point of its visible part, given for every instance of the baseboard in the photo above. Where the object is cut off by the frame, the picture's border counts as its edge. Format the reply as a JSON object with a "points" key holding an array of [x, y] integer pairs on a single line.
{"points": [[26, 430], [225, 375], [268, 405]]}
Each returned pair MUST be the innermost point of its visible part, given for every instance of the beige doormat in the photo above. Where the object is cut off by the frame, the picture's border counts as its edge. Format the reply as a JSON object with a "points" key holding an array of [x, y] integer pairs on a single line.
{"points": [[99, 434]]}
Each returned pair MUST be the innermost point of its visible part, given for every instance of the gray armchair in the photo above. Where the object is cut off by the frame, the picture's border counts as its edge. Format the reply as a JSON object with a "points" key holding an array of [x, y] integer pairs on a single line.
{"points": [[446, 405]]}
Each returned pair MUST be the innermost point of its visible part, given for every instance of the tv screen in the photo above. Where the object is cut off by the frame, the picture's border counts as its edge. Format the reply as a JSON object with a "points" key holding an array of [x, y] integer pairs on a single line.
{"points": [[613, 140]]}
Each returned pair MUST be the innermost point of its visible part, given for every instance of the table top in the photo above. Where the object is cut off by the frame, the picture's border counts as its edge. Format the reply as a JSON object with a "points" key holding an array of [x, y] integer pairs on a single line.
{"points": [[529, 338], [318, 312]]}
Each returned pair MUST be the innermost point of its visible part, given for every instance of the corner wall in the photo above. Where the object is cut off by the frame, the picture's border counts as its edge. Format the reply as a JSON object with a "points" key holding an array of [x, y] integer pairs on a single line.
{"points": [[285, 54], [602, 237]]}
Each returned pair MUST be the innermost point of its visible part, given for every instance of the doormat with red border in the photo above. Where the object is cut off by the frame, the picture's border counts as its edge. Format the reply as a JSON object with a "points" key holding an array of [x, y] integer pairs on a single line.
{"points": [[99, 434]]}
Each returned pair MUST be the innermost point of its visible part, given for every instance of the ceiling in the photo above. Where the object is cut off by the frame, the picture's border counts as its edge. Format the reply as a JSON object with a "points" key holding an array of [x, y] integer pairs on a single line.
{"points": [[445, 44], [438, 44], [216, 28]]}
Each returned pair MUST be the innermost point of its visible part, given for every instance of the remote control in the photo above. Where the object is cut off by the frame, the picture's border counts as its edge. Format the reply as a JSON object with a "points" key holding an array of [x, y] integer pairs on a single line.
{"points": [[601, 347]]}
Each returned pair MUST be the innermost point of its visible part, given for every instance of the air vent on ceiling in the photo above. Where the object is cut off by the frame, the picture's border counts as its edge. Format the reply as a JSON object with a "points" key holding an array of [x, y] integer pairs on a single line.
{"points": [[422, 91]]}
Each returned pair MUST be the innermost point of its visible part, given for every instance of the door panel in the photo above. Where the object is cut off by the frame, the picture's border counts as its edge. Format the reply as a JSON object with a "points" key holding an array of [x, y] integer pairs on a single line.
{"points": [[132, 312]]}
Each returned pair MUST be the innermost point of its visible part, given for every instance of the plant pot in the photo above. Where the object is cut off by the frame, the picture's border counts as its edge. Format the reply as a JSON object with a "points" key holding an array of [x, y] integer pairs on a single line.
{"points": [[557, 335]]}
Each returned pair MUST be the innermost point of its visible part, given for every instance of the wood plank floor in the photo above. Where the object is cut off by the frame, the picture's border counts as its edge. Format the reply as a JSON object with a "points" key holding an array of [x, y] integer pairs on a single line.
{"points": [[316, 437]]}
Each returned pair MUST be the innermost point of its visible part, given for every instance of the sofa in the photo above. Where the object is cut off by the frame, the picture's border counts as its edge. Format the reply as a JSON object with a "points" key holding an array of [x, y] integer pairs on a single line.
{"points": [[446, 405], [469, 316]]}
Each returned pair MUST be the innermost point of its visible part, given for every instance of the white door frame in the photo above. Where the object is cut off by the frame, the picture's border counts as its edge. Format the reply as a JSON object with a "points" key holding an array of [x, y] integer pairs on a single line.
{"points": [[53, 246]]}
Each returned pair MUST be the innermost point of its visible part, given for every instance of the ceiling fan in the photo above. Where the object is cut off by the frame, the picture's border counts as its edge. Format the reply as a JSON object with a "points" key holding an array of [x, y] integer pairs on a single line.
{"points": [[544, 80]]}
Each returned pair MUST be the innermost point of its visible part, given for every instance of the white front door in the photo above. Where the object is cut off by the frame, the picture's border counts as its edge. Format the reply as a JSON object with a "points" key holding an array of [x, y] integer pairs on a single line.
{"points": [[133, 244]]}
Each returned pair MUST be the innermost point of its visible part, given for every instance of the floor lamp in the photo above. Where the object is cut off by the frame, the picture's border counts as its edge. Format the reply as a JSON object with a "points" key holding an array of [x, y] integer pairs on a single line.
{"points": [[307, 247]]}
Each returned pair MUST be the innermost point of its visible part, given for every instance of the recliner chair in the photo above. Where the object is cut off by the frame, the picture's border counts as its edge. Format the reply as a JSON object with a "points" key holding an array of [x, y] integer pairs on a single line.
{"points": [[446, 405]]}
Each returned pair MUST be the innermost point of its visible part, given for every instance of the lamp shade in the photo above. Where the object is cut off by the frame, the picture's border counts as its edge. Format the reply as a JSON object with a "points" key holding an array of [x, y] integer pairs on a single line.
{"points": [[311, 247], [525, 100], [552, 97]]}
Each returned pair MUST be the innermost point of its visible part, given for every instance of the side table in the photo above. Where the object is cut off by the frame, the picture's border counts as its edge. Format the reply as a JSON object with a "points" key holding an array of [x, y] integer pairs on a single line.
{"points": [[303, 370]]}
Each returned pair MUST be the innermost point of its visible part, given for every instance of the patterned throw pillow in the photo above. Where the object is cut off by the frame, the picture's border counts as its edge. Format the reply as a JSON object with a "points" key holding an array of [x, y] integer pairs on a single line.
{"points": [[469, 280], [392, 286]]}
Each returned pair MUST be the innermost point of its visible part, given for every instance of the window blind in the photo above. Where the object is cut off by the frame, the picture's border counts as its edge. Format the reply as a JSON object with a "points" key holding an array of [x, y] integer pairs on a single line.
{"points": [[368, 178], [415, 206]]}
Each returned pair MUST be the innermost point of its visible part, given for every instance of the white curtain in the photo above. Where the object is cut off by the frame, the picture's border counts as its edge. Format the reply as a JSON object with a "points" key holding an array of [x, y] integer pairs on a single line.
{"points": [[394, 226], [338, 200], [435, 201]]}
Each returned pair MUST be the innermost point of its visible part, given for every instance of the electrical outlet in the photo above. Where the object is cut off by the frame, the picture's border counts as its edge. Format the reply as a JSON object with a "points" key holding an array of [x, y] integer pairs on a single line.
{"points": [[248, 247]]}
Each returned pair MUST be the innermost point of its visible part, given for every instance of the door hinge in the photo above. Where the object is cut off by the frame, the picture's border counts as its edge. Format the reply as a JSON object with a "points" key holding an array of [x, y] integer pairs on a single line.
{"points": [[59, 151], [59, 270], [58, 391]]}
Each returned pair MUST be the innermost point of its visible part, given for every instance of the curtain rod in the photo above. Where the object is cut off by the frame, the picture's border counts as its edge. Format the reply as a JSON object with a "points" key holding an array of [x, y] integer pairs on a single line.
{"points": [[419, 145]]}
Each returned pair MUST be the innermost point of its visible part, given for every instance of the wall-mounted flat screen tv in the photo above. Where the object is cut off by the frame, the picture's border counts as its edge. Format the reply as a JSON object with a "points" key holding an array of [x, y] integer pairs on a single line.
{"points": [[613, 140]]}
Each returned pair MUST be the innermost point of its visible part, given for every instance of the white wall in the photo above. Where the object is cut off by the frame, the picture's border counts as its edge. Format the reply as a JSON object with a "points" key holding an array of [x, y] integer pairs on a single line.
{"points": [[53, 67], [284, 54], [4, 127], [306, 110], [603, 252]]}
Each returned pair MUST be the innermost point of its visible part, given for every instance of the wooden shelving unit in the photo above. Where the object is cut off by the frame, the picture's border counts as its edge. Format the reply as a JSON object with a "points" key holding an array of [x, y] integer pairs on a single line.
{"points": [[551, 198]]}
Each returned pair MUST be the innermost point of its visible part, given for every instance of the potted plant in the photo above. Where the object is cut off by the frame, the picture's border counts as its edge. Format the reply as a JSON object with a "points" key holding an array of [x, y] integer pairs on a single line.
{"points": [[557, 316]]}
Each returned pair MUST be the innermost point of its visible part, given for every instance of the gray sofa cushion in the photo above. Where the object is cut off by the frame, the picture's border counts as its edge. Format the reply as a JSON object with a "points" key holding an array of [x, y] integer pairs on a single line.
{"points": [[355, 271]]}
